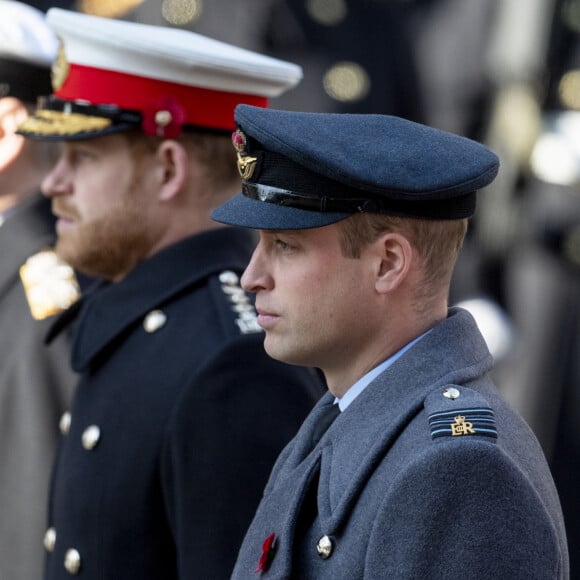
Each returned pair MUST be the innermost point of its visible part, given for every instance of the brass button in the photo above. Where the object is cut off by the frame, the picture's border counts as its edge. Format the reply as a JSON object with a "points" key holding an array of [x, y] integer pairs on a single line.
{"points": [[64, 423], [50, 539], [451, 392], [91, 437], [72, 561], [324, 547], [154, 321], [163, 118]]}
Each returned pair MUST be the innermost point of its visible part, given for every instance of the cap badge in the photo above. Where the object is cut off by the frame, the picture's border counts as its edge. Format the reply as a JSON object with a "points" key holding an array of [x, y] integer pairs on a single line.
{"points": [[60, 68], [246, 164]]}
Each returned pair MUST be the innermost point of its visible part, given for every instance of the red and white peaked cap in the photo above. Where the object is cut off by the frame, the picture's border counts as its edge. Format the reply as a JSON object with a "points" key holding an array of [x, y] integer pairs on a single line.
{"points": [[112, 76]]}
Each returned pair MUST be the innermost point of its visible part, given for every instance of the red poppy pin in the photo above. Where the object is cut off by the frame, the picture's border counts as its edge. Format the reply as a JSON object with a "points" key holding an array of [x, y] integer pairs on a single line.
{"points": [[164, 118], [268, 549]]}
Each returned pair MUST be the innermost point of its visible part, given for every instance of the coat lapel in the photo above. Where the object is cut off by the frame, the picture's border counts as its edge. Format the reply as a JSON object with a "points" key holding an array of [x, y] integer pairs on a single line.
{"points": [[361, 436]]}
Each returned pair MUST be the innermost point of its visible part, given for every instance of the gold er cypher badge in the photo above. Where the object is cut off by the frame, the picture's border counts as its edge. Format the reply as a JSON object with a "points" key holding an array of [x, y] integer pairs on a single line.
{"points": [[461, 426]]}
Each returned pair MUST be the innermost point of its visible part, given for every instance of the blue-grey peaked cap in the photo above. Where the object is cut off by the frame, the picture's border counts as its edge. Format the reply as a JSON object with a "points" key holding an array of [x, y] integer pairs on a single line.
{"points": [[304, 170]]}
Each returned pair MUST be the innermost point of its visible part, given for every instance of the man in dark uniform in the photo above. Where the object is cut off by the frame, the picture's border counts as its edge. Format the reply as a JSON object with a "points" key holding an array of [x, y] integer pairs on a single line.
{"points": [[36, 382], [426, 472], [179, 413]]}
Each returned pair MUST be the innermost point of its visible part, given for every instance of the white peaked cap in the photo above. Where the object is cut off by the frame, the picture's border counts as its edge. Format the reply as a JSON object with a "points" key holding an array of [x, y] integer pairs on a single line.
{"points": [[170, 78], [170, 54]]}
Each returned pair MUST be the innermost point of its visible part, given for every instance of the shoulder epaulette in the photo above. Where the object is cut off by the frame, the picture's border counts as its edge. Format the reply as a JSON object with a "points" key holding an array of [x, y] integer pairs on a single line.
{"points": [[246, 317], [456, 411], [50, 284]]}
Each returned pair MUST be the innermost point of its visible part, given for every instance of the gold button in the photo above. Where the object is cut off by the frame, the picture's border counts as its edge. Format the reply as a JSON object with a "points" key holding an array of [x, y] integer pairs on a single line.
{"points": [[50, 539], [163, 118], [324, 547], [451, 392], [64, 423], [154, 321], [72, 561], [91, 436]]}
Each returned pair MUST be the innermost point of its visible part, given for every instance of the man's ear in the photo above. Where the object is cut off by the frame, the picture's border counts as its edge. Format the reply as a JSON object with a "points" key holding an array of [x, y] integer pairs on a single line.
{"points": [[396, 256], [173, 166]]}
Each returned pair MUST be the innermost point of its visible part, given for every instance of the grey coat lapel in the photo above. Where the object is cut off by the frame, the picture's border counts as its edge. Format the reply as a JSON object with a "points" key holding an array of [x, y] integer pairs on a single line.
{"points": [[360, 437]]}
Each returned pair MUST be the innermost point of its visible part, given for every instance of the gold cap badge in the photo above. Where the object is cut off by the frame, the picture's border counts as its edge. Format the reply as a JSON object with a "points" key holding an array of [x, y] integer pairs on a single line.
{"points": [[246, 164]]}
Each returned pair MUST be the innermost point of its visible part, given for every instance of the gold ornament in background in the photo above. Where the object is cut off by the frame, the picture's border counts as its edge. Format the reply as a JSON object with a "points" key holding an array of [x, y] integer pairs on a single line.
{"points": [[347, 82], [181, 12], [107, 8]]}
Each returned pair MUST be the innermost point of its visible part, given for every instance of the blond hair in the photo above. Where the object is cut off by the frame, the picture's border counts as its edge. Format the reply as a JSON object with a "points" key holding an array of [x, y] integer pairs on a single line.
{"points": [[437, 242]]}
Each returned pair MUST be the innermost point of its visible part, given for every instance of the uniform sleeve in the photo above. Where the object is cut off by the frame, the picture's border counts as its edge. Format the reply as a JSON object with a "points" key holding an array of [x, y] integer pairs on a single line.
{"points": [[235, 417], [463, 510]]}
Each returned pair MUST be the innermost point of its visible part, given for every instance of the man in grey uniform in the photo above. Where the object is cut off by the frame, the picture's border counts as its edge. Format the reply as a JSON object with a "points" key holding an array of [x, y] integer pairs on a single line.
{"points": [[426, 472], [36, 381]]}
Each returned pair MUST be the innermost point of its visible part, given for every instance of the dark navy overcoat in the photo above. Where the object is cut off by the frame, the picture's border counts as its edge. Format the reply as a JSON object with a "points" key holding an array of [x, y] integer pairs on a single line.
{"points": [[177, 420]]}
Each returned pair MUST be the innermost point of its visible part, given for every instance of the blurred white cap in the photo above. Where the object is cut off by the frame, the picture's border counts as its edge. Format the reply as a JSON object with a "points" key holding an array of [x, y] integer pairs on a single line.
{"points": [[27, 49], [25, 35]]}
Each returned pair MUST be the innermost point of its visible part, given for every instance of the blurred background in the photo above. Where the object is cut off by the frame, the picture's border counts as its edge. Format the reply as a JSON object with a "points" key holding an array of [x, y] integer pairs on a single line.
{"points": [[503, 72]]}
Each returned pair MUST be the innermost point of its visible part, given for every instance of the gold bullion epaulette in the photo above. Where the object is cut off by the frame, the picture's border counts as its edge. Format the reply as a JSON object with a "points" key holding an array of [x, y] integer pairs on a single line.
{"points": [[50, 284]]}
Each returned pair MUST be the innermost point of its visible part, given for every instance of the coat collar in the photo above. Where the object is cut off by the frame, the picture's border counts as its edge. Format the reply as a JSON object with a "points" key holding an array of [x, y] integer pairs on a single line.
{"points": [[453, 353], [111, 309]]}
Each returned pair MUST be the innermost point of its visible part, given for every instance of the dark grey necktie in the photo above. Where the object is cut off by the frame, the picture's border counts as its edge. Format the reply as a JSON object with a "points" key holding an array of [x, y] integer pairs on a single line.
{"points": [[327, 415]]}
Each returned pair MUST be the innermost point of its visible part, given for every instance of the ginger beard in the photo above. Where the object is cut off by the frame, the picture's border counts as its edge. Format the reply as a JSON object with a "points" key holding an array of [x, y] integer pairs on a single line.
{"points": [[110, 245]]}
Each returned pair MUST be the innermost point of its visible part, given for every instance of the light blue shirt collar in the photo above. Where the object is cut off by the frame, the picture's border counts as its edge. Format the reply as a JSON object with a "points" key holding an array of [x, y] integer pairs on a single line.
{"points": [[366, 380]]}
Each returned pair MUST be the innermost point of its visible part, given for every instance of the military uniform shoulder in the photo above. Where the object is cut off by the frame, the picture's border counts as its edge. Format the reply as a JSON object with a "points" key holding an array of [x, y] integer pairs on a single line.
{"points": [[50, 285], [235, 307], [456, 411]]}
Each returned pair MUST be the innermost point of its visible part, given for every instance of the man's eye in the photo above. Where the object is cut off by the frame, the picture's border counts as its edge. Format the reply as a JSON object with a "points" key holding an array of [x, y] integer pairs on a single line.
{"points": [[281, 245], [77, 157]]}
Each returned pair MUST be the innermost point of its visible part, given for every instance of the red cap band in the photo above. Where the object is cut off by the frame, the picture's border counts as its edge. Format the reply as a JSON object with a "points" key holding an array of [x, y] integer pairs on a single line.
{"points": [[203, 107]]}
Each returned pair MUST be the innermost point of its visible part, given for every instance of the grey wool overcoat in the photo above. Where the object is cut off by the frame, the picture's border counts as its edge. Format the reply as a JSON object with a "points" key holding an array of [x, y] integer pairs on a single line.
{"points": [[36, 385], [427, 474]]}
